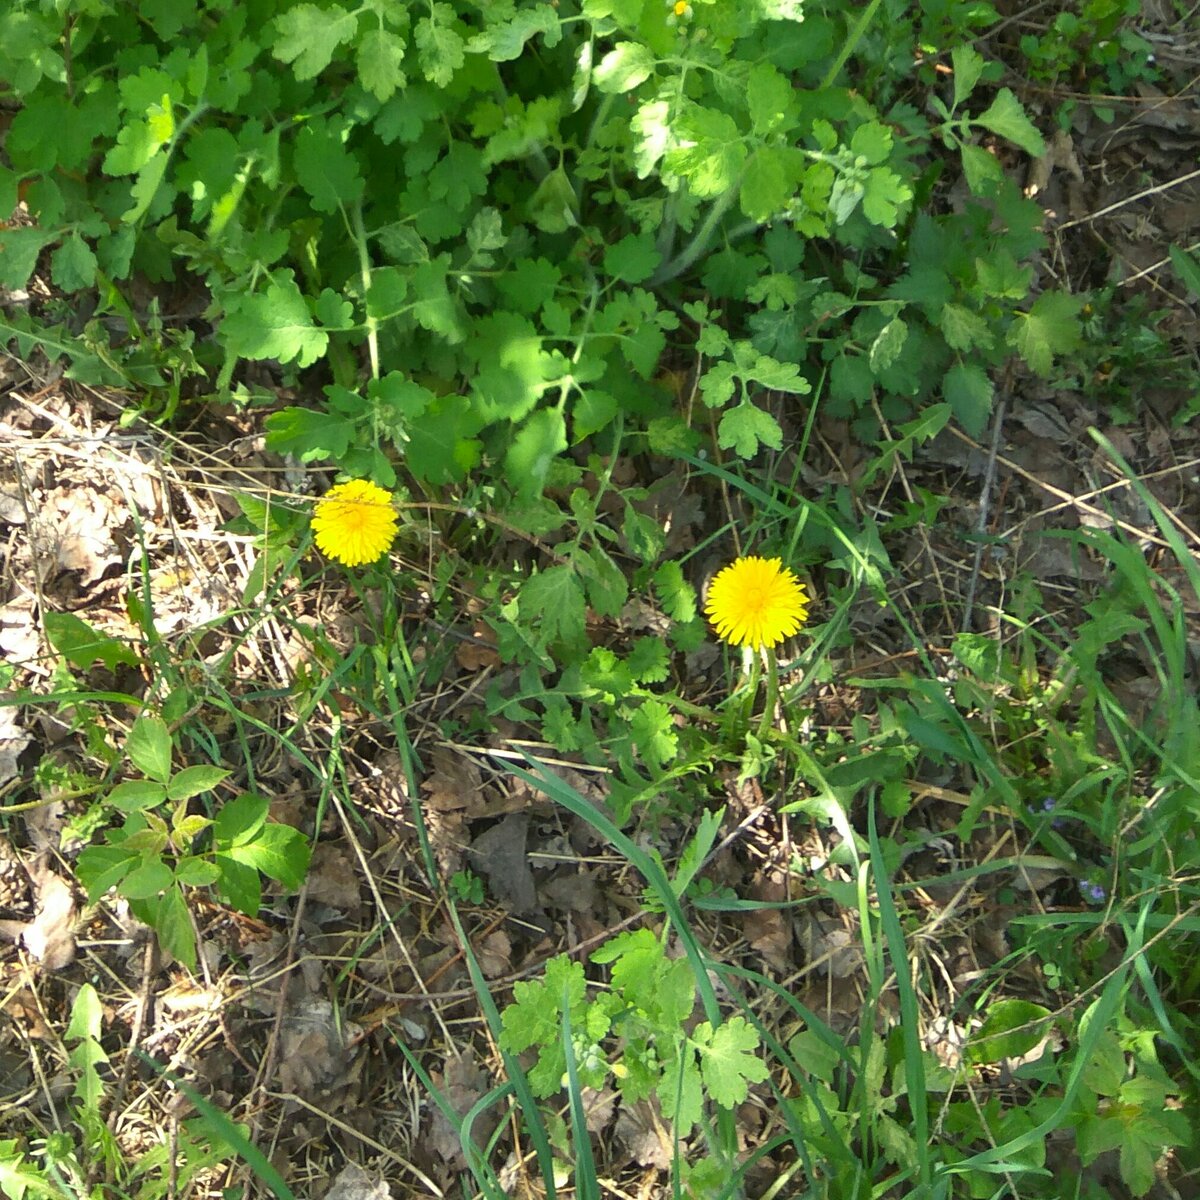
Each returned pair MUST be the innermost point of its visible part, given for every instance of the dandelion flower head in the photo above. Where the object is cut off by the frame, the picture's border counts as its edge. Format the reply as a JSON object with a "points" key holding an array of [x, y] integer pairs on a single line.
{"points": [[756, 602], [354, 523]]}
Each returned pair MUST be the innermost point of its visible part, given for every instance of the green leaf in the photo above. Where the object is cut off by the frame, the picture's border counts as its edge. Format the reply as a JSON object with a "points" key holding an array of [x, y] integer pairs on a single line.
{"points": [[73, 265], [872, 143], [380, 53], [19, 250], [134, 795], [274, 324], [770, 98], [625, 66], [1187, 267], [81, 645], [968, 391], [1051, 327], [240, 819], [1003, 1033], [1005, 117], [99, 868], [506, 40], [967, 64], [888, 345], [308, 37], [147, 880], [535, 1015], [439, 47], [632, 259], [326, 170], [238, 884], [744, 427], [278, 851], [709, 151], [964, 329], [884, 195], [148, 747], [538, 442], [308, 434], [982, 170], [676, 595], [767, 185], [552, 601], [195, 871], [652, 727], [192, 781], [174, 927], [728, 1060]]}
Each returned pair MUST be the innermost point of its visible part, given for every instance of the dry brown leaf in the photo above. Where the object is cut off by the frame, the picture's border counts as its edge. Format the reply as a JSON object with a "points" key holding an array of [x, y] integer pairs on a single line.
{"points": [[462, 1083], [333, 878], [495, 954], [454, 782], [353, 1183], [50, 936]]}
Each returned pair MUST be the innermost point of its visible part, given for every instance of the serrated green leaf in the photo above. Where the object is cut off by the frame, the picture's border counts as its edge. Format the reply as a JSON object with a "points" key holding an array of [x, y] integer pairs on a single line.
{"points": [[194, 871], [709, 151], [278, 851], [308, 434], [967, 64], [983, 172], [632, 259], [275, 323], [1051, 327], [872, 143], [1005, 117], [308, 37], [884, 195], [652, 727], [1187, 268], [238, 884], [744, 427], [380, 53], [968, 391], [505, 41], [676, 595], [766, 188], [148, 747], [440, 49], [963, 329], [770, 98], [625, 66], [326, 170], [553, 602], [728, 1060], [73, 265]]}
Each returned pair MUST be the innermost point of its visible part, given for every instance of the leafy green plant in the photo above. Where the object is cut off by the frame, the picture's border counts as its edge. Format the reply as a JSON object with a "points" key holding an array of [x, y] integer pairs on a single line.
{"points": [[68, 1161], [152, 859], [633, 1032]]}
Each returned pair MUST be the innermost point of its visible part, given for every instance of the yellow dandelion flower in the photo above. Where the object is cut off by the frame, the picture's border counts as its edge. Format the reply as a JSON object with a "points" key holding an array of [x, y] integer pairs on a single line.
{"points": [[756, 602], [354, 523]]}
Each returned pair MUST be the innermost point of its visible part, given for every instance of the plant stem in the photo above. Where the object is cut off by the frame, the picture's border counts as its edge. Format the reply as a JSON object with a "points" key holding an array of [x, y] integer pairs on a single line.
{"points": [[699, 244], [772, 694]]}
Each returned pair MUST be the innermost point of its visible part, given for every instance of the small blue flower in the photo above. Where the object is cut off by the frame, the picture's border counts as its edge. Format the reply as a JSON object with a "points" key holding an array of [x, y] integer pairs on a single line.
{"points": [[1093, 892]]}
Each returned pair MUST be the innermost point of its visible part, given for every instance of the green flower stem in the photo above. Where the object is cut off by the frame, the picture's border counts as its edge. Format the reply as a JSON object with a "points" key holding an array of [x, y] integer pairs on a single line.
{"points": [[772, 693], [741, 710], [358, 235], [699, 244]]}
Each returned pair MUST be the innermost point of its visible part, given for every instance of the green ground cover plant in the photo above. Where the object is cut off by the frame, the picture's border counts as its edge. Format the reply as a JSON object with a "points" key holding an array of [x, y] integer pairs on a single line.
{"points": [[483, 256]]}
